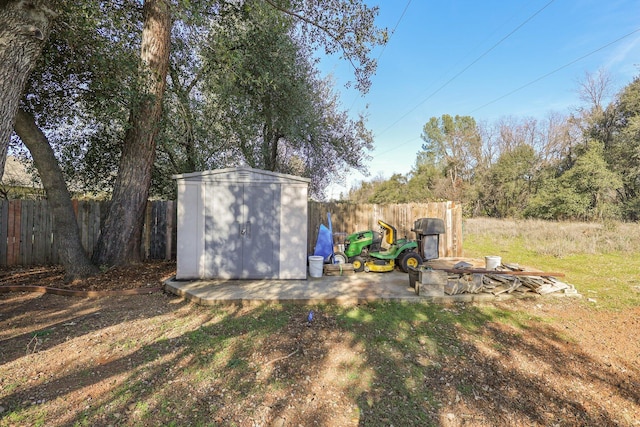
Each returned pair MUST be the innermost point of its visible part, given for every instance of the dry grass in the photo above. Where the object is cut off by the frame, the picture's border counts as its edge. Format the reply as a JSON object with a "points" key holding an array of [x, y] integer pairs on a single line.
{"points": [[601, 260], [559, 239]]}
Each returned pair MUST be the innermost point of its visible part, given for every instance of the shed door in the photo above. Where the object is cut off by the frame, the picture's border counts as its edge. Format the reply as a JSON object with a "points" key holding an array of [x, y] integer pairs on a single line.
{"points": [[222, 230], [260, 241], [243, 232]]}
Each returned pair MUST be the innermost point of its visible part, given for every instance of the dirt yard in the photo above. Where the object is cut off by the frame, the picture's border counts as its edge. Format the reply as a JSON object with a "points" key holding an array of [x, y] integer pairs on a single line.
{"points": [[152, 359]]}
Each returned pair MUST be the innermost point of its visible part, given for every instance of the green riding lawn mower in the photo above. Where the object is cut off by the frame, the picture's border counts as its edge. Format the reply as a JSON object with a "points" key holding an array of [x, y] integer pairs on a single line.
{"points": [[379, 251]]}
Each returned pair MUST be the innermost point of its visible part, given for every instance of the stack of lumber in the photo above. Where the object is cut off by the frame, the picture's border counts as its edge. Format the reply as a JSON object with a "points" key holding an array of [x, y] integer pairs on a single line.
{"points": [[338, 269]]}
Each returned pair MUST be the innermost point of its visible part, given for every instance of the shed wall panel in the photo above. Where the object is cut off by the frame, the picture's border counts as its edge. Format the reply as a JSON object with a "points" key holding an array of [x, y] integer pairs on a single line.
{"points": [[189, 238], [293, 236]]}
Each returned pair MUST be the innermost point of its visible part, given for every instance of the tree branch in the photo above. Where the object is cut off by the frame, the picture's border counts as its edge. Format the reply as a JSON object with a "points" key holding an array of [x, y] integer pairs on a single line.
{"points": [[325, 29]]}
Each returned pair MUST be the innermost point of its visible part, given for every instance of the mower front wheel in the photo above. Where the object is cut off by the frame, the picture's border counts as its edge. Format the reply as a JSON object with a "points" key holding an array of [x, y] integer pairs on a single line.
{"points": [[410, 259], [358, 264]]}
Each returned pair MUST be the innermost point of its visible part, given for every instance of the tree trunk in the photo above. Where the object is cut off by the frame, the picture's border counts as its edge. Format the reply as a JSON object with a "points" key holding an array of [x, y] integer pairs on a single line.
{"points": [[74, 259], [119, 242], [24, 26], [270, 140], [188, 142]]}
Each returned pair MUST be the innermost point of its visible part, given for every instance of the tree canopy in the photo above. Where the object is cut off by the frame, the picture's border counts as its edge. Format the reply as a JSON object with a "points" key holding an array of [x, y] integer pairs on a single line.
{"points": [[237, 70], [268, 106]]}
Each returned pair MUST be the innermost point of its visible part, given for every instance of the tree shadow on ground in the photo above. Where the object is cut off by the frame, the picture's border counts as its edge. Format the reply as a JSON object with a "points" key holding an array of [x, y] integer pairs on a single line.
{"points": [[488, 368], [373, 364]]}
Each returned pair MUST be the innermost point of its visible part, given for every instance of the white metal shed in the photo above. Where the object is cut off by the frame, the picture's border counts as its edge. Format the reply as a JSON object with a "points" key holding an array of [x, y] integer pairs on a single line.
{"points": [[241, 223]]}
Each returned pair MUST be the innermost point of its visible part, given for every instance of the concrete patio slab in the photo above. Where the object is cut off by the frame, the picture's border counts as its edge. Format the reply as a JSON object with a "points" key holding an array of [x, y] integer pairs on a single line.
{"points": [[352, 289]]}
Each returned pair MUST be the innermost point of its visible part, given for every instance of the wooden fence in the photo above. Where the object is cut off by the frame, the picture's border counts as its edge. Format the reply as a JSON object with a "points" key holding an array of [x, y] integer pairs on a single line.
{"points": [[26, 230], [26, 226], [350, 218]]}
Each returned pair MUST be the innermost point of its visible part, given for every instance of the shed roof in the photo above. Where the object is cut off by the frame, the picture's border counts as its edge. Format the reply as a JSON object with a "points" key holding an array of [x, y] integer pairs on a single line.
{"points": [[240, 174]]}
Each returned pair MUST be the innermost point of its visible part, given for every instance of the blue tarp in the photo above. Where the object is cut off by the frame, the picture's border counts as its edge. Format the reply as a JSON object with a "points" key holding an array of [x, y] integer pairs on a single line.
{"points": [[324, 243]]}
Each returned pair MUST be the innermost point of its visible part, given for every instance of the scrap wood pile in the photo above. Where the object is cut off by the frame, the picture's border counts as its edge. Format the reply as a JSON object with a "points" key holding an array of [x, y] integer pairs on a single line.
{"points": [[338, 269], [508, 278]]}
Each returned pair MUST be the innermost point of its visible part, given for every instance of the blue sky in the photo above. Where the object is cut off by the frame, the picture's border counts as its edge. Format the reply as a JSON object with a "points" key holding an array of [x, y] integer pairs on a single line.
{"points": [[466, 57]]}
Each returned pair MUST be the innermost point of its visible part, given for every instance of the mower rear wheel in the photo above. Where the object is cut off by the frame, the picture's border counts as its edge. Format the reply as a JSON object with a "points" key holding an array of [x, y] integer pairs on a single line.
{"points": [[410, 259], [358, 263]]}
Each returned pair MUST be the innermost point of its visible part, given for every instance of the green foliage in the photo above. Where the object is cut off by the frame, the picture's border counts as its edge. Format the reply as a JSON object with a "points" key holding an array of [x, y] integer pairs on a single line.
{"points": [[586, 191], [592, 178], [397, 189], [507, 186], [423, 179], [453, 142], [364, 190], [451, 150], [82, 88], [258, 52], [344, 27], [391, 191], [620, 131], [584, 166]]}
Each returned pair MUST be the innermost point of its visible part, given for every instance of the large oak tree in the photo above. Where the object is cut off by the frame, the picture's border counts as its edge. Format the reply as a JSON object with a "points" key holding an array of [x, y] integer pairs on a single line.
{"points": [[24, 28], [119, 241]]}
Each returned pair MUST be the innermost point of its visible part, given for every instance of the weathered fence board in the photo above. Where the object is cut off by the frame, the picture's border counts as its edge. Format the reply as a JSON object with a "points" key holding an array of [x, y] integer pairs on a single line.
{"points": [[13, 232], [171, 230], [26, 226], [4, 228], [26, 230], [88, 219], [38, 223], [157, 230]]}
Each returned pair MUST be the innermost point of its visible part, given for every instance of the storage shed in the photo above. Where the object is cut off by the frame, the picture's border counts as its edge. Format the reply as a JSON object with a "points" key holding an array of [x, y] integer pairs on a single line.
{"points": [[241, 223]]}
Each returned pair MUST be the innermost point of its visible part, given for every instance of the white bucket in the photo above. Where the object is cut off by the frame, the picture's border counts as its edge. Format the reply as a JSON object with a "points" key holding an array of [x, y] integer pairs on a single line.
{"points": [[492, 262], [315, 266]]}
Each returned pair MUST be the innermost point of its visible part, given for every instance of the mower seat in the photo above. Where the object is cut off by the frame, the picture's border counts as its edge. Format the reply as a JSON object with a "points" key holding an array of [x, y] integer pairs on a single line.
{"points": [[388, 243]]}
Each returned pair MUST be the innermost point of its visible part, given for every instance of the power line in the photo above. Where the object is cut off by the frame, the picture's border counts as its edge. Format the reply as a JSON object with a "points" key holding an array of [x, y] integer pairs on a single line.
{"points": [[557, 69], [467, 67], [388, 41], [394, 29], [396, 147], [464, 58], [529, 83]]}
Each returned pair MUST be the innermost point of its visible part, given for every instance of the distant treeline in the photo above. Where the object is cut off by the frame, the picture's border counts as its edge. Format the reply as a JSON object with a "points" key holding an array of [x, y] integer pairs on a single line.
{"points": [[584, 165]]}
